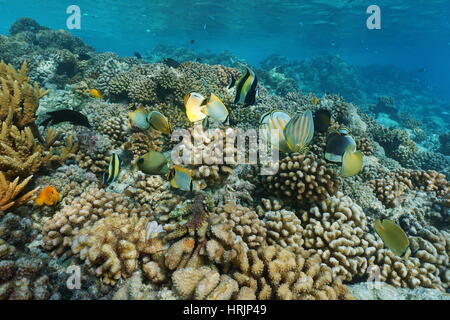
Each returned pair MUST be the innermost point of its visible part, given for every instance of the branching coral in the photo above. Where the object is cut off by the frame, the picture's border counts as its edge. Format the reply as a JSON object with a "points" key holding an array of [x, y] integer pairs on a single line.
{"points": [[284, 228], [10, 192], [303, 179], [21, 155]]}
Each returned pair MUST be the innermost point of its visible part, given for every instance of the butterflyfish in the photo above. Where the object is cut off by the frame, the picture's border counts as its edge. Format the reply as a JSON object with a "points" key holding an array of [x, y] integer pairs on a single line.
{"points": [[352, 162], [154, 163], [181, 178], [194, 103], [138, 118], [159, 122], [393, 237], [337, 143], [299, 131], [216, 109], [272, 125]]}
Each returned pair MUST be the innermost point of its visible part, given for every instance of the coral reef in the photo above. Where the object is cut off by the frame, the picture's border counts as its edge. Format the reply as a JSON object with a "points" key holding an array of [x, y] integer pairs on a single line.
{"points": [[303, 179]]}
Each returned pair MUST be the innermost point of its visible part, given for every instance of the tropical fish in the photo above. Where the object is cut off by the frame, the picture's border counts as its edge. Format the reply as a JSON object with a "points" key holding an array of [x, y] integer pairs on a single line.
{"points": [[96, 94], [48, 196], [352, 162], [66, 115], [299, 131], [272, 125], [322, 120], [138, 118], [113, 170], [159, 122], [126, 156], [181, 178], [246, 88], [171, 62], [194, 103], [315, 100], [137, 55], [393, 237], [154, 163], [192, 41], [337, 143], [216, 109]]}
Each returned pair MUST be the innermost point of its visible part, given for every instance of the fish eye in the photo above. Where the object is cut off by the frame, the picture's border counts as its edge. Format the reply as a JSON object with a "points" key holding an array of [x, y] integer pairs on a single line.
{"points": [[140, 160]]}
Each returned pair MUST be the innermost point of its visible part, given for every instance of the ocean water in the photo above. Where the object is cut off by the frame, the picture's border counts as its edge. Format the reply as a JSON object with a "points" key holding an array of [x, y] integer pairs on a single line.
{"points": [[386, 89], [413, 35]]}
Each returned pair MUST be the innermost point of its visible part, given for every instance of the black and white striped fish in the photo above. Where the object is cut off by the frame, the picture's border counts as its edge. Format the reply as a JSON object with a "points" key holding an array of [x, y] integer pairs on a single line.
{"points": [[113, 170], [246, 88]]}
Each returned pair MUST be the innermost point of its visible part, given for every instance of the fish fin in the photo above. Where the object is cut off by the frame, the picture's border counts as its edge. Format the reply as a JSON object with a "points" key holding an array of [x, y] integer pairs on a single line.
{"points": [[232, 82], [47, 121]]}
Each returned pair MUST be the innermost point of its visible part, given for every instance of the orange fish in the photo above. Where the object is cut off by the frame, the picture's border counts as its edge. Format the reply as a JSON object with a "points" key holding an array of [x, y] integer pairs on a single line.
{"points": [[96, 94], [48, 196]]}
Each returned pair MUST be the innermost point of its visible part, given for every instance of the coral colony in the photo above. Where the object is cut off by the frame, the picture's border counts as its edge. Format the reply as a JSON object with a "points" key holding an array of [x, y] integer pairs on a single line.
{"points": [[206, 230]]}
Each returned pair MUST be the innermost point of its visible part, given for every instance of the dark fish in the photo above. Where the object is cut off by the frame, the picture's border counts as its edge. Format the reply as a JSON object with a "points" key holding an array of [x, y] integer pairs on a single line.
{"points": [[137, 55], [66, 115], [126, 156], [198, 60], [246, 88], [171, 62], [337, 144], [192, 41], [113, 170], [322, 120]]}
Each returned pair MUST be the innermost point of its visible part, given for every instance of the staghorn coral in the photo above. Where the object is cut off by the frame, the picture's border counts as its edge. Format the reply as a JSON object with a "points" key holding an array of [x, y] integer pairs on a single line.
{"points": [[303, 179], [335, 229], [11, 194], [17, 94], [21, 155]]}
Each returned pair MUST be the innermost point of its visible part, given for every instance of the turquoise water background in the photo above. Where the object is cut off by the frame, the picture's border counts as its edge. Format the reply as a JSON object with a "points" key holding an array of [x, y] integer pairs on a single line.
{"points": [[414, 34]]}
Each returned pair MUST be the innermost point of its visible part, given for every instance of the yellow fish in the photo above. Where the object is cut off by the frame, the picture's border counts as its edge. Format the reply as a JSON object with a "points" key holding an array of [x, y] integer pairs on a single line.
{"points": [[159, 122], [96, 94], [299, 131], [154, 163], [315, 100], [48, 196], [393, 237], [216, 109], [194, 103], [138, 118], [352, 162], [181, 178]]}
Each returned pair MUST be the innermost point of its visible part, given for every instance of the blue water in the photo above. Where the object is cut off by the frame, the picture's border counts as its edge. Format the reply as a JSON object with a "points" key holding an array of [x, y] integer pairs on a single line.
{"points": [[414, 35]]}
